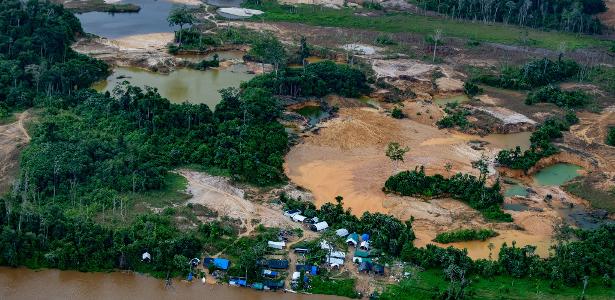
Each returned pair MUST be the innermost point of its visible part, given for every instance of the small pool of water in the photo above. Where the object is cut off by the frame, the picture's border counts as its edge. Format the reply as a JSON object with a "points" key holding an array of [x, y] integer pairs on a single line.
{"points": [[515, 207], [152, 18], [516, 190], [443, 101], [557, 174], [509, 140], [314, 113], [180, 85]]}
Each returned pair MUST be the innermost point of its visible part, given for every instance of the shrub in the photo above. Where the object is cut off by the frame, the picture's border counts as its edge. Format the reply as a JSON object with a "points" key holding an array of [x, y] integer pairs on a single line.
{"points": [[464, 235]]}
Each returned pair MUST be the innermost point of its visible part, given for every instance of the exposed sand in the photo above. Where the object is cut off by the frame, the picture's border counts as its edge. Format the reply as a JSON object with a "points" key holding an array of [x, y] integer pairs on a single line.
{"points": [[347, 158], [141, 42], [218, 194], [13, 137]]}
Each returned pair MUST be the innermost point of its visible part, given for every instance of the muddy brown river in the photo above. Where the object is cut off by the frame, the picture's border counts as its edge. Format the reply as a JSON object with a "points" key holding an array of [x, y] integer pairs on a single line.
{"points": [[22, 283]]}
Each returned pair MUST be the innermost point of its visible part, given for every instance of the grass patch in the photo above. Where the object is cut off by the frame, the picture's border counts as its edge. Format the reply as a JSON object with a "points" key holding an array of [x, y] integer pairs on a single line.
{"points": [[598, 198], [171, 193], [329, 286], [464, 235], [8, 118], [405, 22], [431, 283]]}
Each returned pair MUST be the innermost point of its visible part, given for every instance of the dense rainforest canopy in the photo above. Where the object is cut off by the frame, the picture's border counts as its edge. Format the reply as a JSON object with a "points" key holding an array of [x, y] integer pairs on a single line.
{"points": [[565, 15]]}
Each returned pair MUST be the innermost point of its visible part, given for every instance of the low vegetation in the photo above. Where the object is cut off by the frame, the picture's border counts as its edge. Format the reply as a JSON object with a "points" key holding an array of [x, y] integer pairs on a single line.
{"points": [[461, 235], [332, 286], [536, 73], [553, 94], [455, 117], [541, 145], [610, 137], [574, 16], [394, 22], [463, 187]]}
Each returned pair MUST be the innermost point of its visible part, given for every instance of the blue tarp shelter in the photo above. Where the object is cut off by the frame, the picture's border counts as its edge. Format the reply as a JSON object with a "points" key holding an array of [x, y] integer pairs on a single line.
{"points": [[365, 237], [221, 263], [314, 270]]}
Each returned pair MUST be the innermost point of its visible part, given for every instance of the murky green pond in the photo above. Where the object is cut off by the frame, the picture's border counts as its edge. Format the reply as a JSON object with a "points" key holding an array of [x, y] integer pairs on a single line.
{"points": [[557, 174], [516, 190], [314, 113], [182, 85]]}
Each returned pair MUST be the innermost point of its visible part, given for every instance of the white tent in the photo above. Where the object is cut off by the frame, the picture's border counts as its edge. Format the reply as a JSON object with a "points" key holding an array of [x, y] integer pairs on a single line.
{"points": [[146, 256], [298, 218], [319, 226], [276, 245], [296, 275], [364, 245], [332, 261], [337, 254], [342, 232], [324, 245]]}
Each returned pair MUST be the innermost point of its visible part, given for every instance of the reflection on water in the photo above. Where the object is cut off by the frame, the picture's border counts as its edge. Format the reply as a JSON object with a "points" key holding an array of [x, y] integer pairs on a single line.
{"points": [[27, 284], [516, 190], [557, 174], [180, 85], [314, 113], [152, 18], [222, 55]]}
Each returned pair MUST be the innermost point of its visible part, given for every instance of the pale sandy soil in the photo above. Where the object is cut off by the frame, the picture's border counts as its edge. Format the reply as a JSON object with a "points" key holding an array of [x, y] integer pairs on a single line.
{"points": [[141, 42], [218, 194], [347, 157], [187, 2], [13, 137]]}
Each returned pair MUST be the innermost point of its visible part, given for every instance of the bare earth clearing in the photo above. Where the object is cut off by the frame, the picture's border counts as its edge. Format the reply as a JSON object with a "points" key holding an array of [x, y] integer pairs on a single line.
{"points": [[13, 137]]}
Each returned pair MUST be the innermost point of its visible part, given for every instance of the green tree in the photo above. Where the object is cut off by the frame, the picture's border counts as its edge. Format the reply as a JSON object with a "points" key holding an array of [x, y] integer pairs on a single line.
{"points": [[269, 50], [396, 153], [180, 16]]}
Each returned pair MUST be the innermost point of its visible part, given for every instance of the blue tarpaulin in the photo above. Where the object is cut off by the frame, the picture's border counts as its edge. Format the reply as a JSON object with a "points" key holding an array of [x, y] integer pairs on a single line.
{"points": [[314, 270], [190, 276], [365, 237], [221, 263]]}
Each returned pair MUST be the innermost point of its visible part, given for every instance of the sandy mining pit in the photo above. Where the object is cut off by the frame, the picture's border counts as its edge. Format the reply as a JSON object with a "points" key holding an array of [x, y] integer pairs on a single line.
{"points": [[347, 157], [13, 137]]}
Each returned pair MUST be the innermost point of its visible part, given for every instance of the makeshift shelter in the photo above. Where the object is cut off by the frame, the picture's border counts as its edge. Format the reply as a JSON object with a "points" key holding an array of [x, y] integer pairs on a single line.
{"points": [[208, 261], [319, 226], [335, 262], [299, 218], [365, 266], [195, 262], [314, 270], [235, 13], [300, 268], [274, 285], [337, 254], [296, 275], [352, 240], [277, 264], [365, 237], [238, 281], [342, 232], [291, 213], [146, 257], [379, 269], [221, 263], [361, 253], [276, 245], [270, 273], [324, 245], [257, 286], [302, 250], [364, 245]]}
